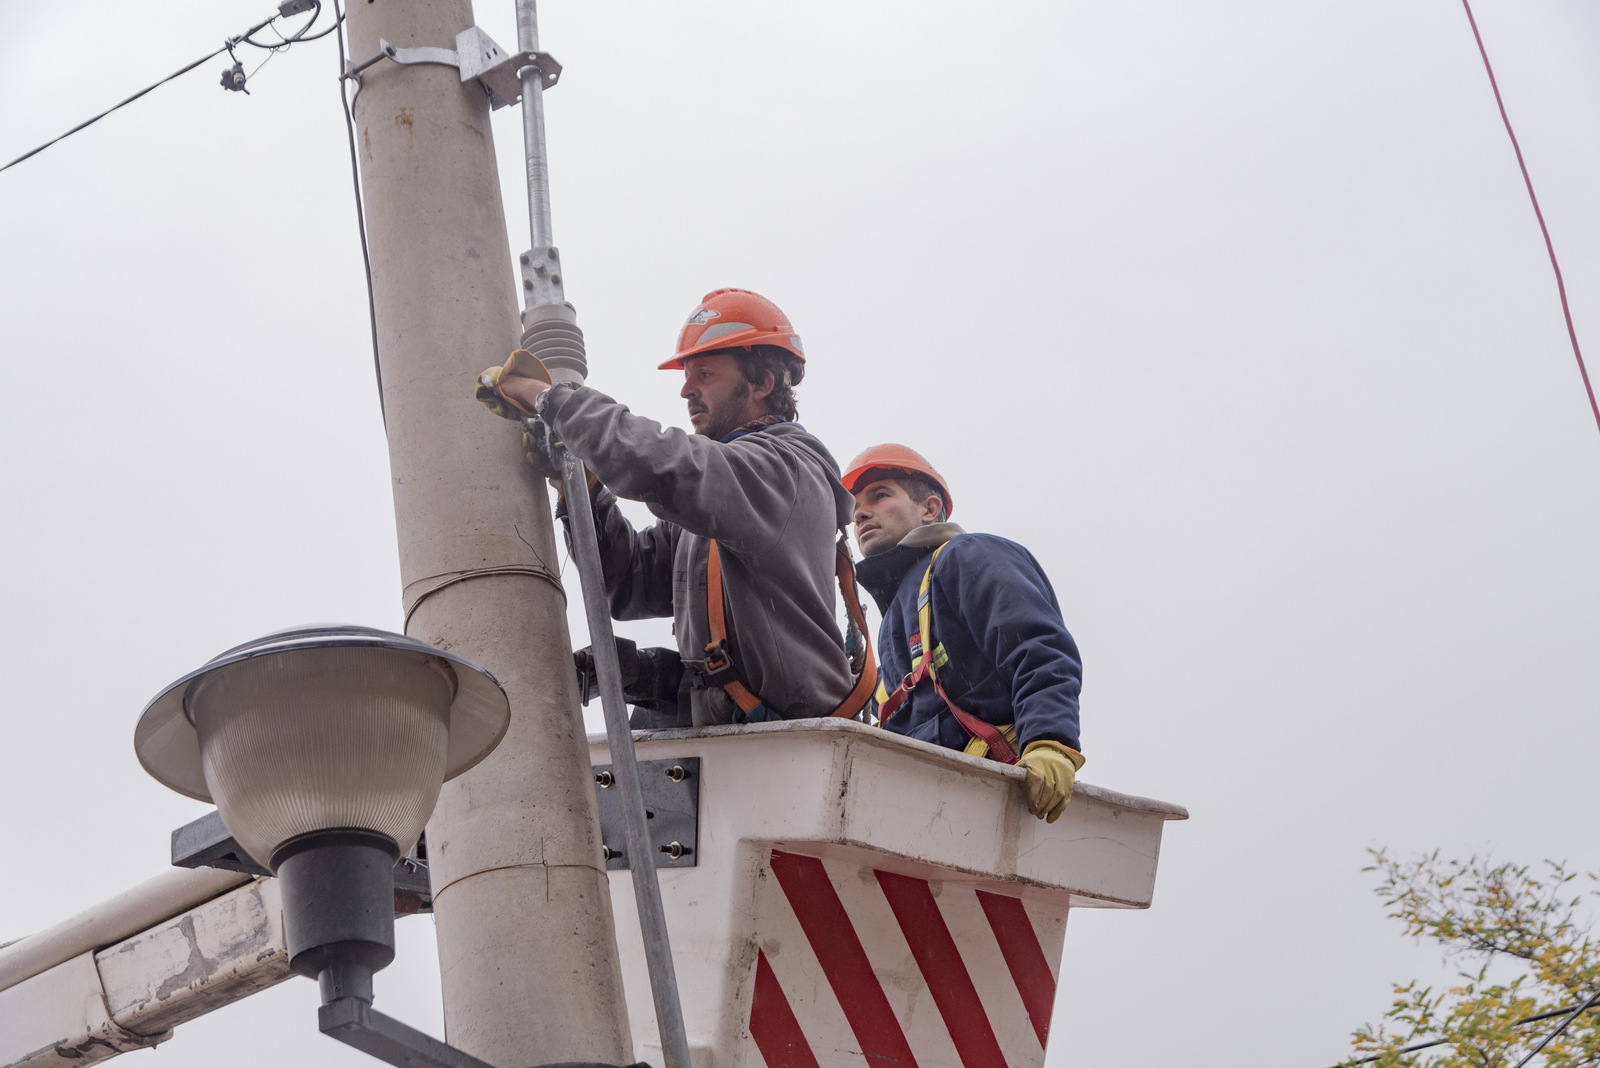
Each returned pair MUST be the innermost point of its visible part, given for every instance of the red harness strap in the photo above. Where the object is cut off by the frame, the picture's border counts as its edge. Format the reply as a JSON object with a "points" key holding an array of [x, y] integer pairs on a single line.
{"points": [[999, 748], [718, 657]]}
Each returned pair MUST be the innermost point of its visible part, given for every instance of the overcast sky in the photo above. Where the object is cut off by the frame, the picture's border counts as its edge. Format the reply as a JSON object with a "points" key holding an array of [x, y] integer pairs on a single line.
{"points": [[1235, 313]]}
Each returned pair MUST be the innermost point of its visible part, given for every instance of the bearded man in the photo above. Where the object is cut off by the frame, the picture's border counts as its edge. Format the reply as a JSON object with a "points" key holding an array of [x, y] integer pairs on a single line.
{"points": [[750, 488]]}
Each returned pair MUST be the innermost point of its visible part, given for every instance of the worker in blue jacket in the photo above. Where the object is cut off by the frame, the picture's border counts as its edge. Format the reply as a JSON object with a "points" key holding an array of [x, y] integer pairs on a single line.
{"points": [[972, 650]]}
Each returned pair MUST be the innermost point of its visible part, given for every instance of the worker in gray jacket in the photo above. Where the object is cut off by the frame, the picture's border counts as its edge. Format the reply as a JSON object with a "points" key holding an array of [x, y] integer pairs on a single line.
{"points": [[747, 554]]}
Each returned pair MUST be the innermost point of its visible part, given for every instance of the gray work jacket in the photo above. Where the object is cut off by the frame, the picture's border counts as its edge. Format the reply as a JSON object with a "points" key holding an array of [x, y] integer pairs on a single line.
{"points": [[772, 500]]}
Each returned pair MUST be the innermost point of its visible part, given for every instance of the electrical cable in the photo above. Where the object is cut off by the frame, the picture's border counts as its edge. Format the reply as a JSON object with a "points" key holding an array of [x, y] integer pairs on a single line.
{"points": [[1552, 1035], [1561, 285], [114, 107], [263, 63], [227, 46], [282, 41], [361, 211], [316, 36], [298, 36], [349, 121]]}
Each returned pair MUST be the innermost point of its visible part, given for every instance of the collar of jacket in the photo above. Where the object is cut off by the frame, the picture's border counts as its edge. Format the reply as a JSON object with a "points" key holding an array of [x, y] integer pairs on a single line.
{"points": [[881, 573], [760, 422]]}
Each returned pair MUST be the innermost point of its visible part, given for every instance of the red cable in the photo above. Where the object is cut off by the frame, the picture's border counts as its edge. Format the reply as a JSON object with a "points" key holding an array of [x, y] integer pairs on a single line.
{"points": [[1561, 285]]}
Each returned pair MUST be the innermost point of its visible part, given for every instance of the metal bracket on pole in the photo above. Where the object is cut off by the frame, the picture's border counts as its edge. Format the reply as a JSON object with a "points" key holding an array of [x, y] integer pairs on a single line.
{"points": [[670, 790], [478, 58], [206, 843]]}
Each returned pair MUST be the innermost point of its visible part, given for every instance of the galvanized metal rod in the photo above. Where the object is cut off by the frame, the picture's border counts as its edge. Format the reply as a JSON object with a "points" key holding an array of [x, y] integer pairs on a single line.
{"points": [[625, 767], [538, 159]]}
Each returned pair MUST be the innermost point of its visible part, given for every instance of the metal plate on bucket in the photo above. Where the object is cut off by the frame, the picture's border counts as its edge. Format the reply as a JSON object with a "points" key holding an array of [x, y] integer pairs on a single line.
{"points": [[671, 790]]}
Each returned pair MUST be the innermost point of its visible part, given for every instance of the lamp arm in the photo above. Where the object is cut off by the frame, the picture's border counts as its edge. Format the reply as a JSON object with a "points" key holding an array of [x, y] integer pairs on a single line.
{"points": [[356, 1023]]}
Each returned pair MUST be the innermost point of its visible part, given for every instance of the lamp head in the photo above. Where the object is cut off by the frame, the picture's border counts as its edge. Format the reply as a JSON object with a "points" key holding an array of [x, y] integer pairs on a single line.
{"points": [[322, 728]]}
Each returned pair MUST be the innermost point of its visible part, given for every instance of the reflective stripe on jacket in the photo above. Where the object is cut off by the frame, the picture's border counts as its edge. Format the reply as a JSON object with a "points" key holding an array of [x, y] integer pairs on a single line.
{"points": [[1008, 657], [772, 500]]}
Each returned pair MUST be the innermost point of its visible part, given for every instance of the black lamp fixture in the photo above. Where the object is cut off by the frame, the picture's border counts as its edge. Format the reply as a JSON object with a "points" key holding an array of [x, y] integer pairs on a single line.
{"points": [[324, 748]]}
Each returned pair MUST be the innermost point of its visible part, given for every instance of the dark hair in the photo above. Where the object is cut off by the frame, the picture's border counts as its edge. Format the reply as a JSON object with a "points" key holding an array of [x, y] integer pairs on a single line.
{"points": [[787, 371], [920, 489]]}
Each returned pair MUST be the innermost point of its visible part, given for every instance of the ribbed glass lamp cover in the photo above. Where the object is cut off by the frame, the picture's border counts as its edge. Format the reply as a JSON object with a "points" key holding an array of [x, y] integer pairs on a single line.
{"points": [[322, 738]]}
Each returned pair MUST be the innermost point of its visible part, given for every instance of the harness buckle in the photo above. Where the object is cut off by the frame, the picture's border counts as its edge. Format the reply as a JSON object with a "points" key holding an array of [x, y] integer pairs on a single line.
{"points": [[718, 669]]}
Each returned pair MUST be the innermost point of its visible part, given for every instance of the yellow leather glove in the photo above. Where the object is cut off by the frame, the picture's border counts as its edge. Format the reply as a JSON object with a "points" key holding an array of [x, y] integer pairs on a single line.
{"points": [[520, 364], [1052, 769]]}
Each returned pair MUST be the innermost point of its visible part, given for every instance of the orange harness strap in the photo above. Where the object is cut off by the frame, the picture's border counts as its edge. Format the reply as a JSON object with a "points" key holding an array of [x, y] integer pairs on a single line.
{"points": [[719, 659]]}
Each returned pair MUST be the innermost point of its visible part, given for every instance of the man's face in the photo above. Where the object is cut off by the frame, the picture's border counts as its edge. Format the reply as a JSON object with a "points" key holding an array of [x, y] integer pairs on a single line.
{"points": [[885, 513], [719, 397]]}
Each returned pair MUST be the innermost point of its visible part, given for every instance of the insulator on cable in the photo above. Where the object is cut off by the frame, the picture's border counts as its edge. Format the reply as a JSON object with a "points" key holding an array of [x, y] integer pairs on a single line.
{"points": [[233, 79]]}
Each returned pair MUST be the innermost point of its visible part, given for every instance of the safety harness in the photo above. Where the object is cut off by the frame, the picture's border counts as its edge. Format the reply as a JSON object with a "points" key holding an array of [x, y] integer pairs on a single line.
{"points": [[720, 669], [1001, 741]]}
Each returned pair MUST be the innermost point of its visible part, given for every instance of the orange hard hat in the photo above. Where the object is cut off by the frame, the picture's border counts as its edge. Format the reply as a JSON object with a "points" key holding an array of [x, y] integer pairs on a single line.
{"points": [[733, 319], [892, 457]]}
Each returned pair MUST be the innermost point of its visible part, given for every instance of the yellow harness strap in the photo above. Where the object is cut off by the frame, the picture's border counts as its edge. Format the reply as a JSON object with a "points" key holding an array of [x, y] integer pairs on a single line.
{"points": [[936, 654], [979, 748]]}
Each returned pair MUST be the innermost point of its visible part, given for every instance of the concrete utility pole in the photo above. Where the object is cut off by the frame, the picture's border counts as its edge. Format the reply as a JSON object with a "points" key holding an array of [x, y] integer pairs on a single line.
{"points": [[526, 943]]}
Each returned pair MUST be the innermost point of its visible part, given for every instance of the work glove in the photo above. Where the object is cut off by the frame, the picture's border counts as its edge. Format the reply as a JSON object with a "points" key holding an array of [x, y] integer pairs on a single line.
{"points": [[647, 674], [541, 453], [520, 364], [1052, 769], [537, 450]]}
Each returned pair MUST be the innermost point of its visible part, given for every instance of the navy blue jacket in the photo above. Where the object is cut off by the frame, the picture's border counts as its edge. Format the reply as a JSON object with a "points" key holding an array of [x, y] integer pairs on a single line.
{"points": [[1011, 658]]}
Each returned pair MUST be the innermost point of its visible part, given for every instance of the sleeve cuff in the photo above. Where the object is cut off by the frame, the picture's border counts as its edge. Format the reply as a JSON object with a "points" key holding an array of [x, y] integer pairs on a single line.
{"points": [[1072, 754]]}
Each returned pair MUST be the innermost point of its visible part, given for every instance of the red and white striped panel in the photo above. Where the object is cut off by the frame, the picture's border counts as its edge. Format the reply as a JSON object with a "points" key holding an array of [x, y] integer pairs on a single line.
{"points": [[857, 967]]}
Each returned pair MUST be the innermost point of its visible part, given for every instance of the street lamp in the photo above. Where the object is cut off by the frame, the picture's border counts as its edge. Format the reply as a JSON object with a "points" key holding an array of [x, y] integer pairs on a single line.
{"points": [[324, 748]]}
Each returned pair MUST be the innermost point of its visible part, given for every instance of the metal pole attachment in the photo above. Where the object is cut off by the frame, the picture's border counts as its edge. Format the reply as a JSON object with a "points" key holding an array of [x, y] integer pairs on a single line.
{"points": [[625, 766], [538, 160], [549, 324]]}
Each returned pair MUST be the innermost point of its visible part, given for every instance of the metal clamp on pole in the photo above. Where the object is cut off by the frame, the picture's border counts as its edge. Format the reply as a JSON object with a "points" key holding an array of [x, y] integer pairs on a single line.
{"points": [[624, 765], [478, 59]]}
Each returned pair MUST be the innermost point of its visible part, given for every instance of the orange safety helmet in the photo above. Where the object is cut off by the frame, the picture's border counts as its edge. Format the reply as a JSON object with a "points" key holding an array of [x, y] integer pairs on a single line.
{"points": [[733, 319], [892, 457]]}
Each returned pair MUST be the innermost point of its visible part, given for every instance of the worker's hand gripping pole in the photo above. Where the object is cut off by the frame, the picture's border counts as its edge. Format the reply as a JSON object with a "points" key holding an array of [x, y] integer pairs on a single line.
{"points": [[624, 765]]}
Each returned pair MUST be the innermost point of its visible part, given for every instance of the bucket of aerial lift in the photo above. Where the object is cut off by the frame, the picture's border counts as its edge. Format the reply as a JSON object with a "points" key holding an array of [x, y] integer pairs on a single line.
{"points": [[838, 894]]}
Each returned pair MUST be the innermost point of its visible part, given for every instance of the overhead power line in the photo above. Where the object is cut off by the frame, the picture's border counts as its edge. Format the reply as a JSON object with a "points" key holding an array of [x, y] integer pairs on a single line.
{"points": [[286, 9], [90, 122], [289, 7], [361, 211], [1552, 1035], [1561, 285]]}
